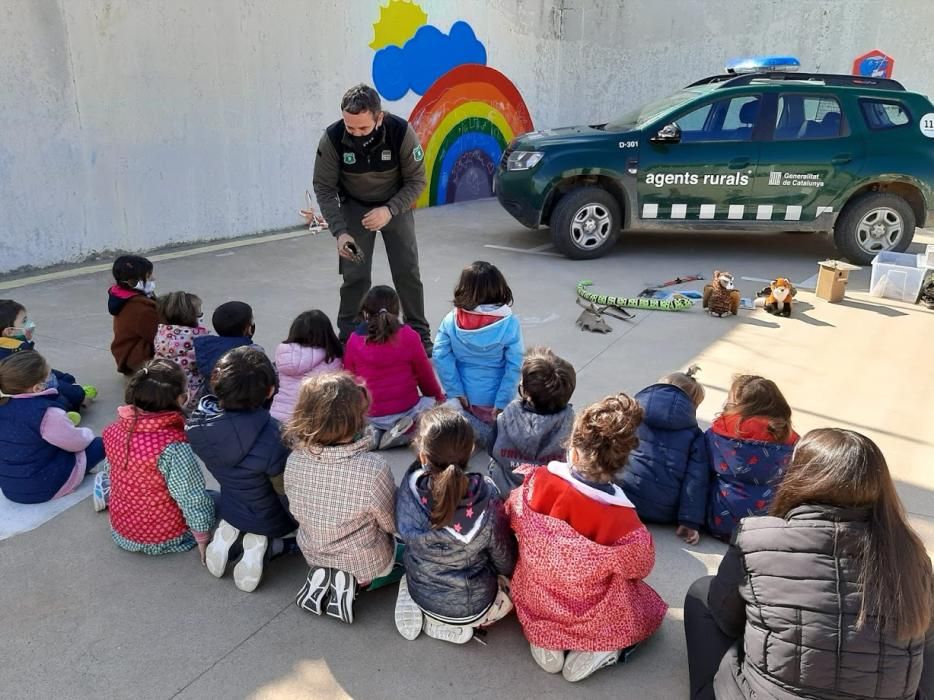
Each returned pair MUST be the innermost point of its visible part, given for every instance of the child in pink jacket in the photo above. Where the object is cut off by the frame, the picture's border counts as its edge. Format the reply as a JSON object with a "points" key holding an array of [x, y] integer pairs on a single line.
{"points": [[388, 356], [311, 348]]}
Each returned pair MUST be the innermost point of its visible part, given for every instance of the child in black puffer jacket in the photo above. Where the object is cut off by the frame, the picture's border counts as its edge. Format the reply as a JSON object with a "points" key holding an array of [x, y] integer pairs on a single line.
{"points": [[459, 547]]}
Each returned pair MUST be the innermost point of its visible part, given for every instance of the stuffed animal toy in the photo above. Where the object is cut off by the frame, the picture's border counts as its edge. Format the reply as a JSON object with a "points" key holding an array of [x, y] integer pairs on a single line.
{"points": [[778, 301], [721, 296]]}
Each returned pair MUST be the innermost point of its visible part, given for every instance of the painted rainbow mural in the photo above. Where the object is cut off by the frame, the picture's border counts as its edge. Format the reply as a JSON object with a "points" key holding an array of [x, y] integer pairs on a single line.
{"points": [[464, 122]]}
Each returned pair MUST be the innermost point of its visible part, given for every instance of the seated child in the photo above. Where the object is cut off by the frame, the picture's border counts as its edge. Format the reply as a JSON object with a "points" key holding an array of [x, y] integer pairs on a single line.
{"points": [[241, 445], [132, 304], [533, 428], [179, 324], [750, 446], [459, 550], [311, 348], [17, 334], [234, 325], [341, 494], [583, 552], [43, 455], [478, 349], [152, 483], [667, 474], [389, 357]]}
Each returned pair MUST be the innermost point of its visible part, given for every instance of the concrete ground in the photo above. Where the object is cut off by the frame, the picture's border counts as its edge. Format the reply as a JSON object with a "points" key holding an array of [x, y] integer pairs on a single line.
{"points": [[82, 619]]}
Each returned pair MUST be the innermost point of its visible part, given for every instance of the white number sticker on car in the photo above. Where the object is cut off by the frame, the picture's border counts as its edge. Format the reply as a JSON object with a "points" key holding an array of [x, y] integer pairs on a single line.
{"points": [[628, 144], [926, 124]]}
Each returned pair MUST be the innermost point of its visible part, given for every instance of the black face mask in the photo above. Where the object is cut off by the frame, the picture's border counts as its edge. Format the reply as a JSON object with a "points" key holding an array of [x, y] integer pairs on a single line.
{"points": [[364, 142]]}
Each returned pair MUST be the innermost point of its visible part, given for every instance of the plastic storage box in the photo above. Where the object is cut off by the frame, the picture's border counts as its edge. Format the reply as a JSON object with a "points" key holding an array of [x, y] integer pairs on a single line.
{"points": [[897, 276]]}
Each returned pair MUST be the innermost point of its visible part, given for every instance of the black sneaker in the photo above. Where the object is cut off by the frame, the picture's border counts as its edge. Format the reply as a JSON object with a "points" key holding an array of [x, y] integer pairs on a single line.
{"points": [[314, 594], [343, 591]]}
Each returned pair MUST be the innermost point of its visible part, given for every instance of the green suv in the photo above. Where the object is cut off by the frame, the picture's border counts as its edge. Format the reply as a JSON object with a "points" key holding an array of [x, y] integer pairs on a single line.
{"points": [[758, 151]]}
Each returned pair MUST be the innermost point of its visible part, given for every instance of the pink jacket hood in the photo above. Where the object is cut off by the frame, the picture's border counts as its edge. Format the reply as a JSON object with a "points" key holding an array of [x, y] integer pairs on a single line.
{"points": [[294, 362]]}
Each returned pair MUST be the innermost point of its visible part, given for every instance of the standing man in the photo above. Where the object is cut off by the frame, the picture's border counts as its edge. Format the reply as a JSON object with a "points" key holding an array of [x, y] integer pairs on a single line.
{"points": [[369, 171]]}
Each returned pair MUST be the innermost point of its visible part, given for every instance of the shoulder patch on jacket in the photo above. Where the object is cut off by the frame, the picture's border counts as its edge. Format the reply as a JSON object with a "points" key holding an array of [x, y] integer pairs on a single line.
{"points": [[418, 154]]}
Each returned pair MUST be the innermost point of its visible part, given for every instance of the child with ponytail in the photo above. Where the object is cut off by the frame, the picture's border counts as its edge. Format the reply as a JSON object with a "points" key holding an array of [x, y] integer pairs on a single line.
{"points": [[459, 549], [43, 455], [389, 357], [152, 484]]}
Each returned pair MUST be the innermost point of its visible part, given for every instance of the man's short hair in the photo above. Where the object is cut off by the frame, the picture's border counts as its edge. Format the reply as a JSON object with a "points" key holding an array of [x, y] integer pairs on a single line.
{"points": [[361, 98], [548, 381]]}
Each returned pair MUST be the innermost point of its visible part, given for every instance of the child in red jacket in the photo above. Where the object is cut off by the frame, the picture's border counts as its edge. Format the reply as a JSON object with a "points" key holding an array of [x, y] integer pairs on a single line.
{"points": [[388, 356]]}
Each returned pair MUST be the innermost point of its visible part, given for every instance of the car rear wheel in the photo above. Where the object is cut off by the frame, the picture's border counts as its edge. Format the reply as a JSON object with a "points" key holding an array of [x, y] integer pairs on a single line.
{"points": [[873, 223], [585, 223]]}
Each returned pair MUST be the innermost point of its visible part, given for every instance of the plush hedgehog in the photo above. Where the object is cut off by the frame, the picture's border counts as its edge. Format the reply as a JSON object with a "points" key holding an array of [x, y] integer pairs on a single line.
{"points": [[778, 301], [721, 296]]}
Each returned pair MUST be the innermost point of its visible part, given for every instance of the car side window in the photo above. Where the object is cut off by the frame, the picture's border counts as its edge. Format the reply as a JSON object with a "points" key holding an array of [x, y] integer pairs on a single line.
{"points": [[807, 117], [884, 114], [729, 119]]}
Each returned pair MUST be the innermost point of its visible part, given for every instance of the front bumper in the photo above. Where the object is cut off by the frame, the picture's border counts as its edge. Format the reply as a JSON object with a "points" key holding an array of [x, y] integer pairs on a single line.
{"points": [[512, 191]]}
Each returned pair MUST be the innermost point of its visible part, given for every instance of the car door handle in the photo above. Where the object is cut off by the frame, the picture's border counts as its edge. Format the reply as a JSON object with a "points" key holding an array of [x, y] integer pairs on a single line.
{"points": [[738, 163], [841, 158]]}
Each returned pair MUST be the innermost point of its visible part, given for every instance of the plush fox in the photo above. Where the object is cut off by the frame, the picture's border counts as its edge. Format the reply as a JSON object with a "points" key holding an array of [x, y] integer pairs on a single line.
{"points": [[778, 302], [721, 296]]}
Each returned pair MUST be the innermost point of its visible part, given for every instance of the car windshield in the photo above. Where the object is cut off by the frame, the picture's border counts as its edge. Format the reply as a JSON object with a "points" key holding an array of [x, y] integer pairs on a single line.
{"points": [[637, 118]]}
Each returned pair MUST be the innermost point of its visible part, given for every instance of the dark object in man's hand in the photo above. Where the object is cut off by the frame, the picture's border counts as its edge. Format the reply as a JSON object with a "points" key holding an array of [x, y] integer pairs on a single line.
{"points": [[356, 255]]}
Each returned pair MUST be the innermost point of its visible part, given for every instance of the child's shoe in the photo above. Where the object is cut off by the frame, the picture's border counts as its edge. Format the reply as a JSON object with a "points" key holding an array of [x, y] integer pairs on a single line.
{"points": [[456, 634], [101, 491], [219, 550], [249, 570], [74, 417], [314, 594], [580, 664], [399, 434], [343, 591], [550, 660], [409, 617], [90, 393]]}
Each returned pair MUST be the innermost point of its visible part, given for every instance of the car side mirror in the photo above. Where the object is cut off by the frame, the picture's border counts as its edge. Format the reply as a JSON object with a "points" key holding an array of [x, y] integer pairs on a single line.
{"points": [[670, 133]]}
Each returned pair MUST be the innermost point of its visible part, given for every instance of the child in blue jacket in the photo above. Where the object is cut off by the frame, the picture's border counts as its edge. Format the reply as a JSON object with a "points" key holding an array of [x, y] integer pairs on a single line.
{"points": [[478, 350], [667, 474]]}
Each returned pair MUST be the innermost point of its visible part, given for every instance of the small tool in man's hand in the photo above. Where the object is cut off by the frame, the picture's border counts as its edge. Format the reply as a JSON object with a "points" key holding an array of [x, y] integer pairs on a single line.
{"points": [[356, 255]]}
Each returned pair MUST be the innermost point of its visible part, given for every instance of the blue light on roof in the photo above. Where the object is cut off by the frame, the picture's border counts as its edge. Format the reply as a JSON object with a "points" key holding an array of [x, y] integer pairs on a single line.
{"points": [[758, 64]]}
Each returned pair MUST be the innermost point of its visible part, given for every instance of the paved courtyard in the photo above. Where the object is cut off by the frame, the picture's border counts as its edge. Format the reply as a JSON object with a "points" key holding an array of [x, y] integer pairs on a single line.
{"points": [[83, 619]]}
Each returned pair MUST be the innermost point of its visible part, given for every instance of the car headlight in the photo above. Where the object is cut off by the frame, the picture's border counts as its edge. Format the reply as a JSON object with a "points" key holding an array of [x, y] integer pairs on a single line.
{"points": [[523, 160]]}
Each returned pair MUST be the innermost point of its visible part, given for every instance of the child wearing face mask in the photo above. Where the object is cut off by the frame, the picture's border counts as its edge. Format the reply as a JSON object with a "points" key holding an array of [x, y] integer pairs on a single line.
{"points": [[132, 304], [43, 455], [179, 325], [233, 322], [16, 335]]}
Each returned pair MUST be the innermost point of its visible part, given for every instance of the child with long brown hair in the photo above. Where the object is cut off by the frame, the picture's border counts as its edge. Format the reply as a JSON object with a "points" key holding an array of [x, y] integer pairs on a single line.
{"points": [[829, 597], [583, 552], [750, 445], [43, 455], [179, 324], [389, 357], [341, 494], [478, 350], [152, 482], [459, 549]]}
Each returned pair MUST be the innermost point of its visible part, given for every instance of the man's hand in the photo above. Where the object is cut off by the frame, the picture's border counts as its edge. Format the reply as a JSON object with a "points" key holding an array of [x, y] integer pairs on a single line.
{"points": [[342, 249], [375, 219]]}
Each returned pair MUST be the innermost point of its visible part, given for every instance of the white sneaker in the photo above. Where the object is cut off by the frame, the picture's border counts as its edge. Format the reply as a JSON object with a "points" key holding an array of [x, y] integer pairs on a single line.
{"points": [[101, 491], [456, 634], [249, 570], [409, 617], [580, 664], [550, 660], [219, 550], [398, 434]]}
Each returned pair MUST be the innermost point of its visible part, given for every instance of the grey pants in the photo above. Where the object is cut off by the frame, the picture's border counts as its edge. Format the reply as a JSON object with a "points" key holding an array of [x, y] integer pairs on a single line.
{"points": [[402, 252]]}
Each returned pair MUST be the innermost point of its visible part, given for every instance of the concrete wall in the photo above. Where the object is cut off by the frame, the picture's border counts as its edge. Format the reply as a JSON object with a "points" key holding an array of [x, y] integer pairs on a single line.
{"points": [[134, 124]]}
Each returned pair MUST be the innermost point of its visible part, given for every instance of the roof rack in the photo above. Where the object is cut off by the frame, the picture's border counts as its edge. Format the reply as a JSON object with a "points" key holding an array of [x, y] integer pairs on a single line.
{"points": [[734, 80]]}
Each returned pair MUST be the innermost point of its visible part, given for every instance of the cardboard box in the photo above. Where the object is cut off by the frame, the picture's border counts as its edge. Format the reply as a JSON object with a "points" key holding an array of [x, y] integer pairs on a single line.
{"points": [[832, 277]]}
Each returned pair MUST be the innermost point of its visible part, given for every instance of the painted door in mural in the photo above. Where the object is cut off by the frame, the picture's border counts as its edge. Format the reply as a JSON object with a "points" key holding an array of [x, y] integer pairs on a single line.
{"points": [[468, 112]]}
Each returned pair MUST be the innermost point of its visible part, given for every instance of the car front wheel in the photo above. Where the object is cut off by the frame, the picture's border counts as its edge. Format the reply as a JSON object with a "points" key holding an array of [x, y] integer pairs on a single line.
{"points": [[873, 223], [585, 223]]}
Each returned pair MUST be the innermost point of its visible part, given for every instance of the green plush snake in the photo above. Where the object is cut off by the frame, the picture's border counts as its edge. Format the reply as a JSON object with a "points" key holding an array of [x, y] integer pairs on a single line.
{"points": [[676, 303]]}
